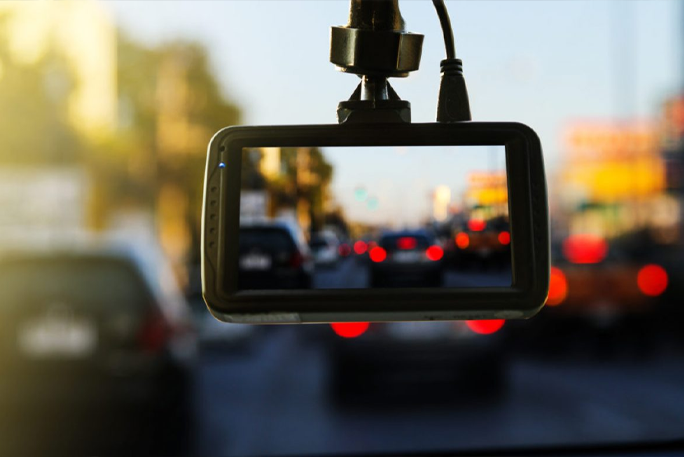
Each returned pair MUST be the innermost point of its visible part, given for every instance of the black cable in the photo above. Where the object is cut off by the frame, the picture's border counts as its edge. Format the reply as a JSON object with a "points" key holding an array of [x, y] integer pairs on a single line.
{"points": [[445, 22], [453, 104]]}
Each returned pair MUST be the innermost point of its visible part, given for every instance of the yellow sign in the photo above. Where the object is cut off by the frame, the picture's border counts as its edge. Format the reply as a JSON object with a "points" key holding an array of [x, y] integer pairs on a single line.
{"points": [[484, 179], [488, 196], [612, 181]]}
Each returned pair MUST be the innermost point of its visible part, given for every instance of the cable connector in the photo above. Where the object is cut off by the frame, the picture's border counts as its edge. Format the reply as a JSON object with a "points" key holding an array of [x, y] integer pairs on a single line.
{"points": [[453, 104]]}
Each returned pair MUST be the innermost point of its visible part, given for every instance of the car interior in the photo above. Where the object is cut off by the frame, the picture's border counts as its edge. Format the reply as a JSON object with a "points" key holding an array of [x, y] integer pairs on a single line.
{"points": [[351, 228]]}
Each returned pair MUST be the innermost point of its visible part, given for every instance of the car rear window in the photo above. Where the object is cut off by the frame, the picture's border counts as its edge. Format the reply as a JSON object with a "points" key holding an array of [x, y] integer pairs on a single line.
{"points": [[318, 243], [405, 242], [267, 239], [101, 283]]}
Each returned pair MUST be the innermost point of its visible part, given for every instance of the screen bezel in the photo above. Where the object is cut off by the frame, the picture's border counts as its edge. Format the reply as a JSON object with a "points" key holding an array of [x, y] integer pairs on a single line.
{"points": [[528, 217]]}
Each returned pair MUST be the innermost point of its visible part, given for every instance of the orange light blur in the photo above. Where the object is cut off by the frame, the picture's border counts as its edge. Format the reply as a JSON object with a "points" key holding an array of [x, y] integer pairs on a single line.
{"points": [[652, 280], [360, 247], [505, 238], [434, 253], [476, 225], [558, 287], [585, 249], [462, 240], [377, 254], [485, 327], [350, 329]]}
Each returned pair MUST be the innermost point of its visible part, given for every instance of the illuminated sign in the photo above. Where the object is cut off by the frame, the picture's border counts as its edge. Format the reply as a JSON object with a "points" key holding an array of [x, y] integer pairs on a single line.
{"points": [[611, 181], [673, 123], [606, 141]]}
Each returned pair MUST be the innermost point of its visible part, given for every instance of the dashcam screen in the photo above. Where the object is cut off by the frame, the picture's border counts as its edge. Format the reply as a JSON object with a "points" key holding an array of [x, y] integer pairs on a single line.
{"points": [[374, 217]]}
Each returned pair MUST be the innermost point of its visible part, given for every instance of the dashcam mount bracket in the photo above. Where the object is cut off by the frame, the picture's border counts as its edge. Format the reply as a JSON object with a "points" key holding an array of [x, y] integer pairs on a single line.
{"points": [[375, 46]]}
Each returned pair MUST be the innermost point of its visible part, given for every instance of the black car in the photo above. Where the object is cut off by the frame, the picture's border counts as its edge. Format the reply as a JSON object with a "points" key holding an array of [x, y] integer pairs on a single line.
{"points": [[95, 343], [273, 255], [406, 258], [440, 361]]}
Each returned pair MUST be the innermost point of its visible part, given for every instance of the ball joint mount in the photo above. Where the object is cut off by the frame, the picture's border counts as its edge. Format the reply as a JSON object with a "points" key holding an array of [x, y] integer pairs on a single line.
{"points": [[376, 46]]}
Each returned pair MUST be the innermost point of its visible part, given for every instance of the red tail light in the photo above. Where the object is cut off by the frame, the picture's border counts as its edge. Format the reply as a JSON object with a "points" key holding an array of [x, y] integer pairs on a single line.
{"points": [[154, 333], [350, 329], [296, 260], [476, 225], [344, 250], [652, 280], [485, 327], [585, 249], [462, 240], [407, 242], [360, 247], [377, 254], [558, 287], [434, 253], [504, 238]]}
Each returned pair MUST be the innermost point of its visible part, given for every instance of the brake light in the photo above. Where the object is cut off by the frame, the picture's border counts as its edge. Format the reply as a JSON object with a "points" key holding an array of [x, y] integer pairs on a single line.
{"points": [[504, 238], [360, 247], [377, 254], [154, 333], [296, 260], [462, 240], [350, 329], [434, 253], [652, 280], [344, 250], [585, 249], [476, 225], [485, 327], [558, 287], [406, 242]]}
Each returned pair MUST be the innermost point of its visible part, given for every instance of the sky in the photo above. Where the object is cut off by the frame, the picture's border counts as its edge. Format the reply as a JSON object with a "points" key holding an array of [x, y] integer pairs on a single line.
{"points": [[543, 63], [401, 196]]}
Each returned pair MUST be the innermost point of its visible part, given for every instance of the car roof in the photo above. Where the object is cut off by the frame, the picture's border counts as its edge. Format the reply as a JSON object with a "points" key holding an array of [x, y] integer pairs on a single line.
{"points": [[292, 229], [250, 224], [415, 233], [145, 258]]}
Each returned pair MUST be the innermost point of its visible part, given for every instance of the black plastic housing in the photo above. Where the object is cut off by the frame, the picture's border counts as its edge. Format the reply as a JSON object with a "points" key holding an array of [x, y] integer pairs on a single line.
{"points": [[528, 209]]}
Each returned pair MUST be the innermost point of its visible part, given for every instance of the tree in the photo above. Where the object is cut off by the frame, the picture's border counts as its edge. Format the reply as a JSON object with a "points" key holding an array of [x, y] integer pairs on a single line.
{"points": [[34, 126], [170, 107]]}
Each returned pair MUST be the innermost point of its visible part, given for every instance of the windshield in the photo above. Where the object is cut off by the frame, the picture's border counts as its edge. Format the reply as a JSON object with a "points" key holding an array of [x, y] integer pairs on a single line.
{"points": [[107, 108]]}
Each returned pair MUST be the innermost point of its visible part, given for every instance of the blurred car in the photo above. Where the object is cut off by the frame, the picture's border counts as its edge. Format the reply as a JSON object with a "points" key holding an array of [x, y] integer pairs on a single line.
{"points": [[597, 286], [325, 248], [94, 333], [481, 243], [410, 257], [382, 361], [273, 255], [596, 280]]}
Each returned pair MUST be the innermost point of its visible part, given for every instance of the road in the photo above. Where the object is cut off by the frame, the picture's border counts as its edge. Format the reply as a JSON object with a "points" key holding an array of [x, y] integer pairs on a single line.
{"points": [[353, 273], [272, 400]]}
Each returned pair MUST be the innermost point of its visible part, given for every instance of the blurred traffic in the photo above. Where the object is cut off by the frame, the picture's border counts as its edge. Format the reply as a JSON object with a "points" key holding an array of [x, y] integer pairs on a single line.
{"points": [[107, 346], [363, 231]]}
